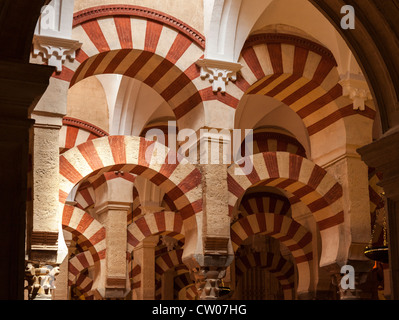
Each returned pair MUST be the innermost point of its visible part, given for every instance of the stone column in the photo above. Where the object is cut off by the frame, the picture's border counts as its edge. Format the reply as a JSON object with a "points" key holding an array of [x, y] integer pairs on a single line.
{"points": [[352, 173], [113, 216], [144, 254], [46, 218], [214, 156], [113, 202], [341, 160], [21, 86], [383, 155]]}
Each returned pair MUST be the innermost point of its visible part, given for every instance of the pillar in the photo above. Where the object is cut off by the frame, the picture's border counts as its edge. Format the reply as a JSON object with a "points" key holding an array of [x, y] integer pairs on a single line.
{"points": [[144, 254], [151, 197], [114, 199], [341, 160], [383, 155], [213, 159], [21, 86]]}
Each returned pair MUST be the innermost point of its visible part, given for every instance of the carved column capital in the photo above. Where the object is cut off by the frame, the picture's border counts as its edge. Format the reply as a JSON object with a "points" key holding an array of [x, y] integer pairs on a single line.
{"points": [[207, 281], [40, 280], [219, 72]]}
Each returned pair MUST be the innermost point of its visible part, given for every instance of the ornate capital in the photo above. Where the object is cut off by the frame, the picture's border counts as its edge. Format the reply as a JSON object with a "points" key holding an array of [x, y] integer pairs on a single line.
{"points": [[55, 50], [40, 280], [218, 72], [207, 282], [358, 91]]}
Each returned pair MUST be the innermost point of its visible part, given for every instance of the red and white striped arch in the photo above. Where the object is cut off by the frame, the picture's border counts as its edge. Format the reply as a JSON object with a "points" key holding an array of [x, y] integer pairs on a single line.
{"points": [[296, 237], [77, 264], [74, 132], [290, 233], [82, 287], [86, 228], [282, 269], [304, 179], [167, 261], [298, 72], [134, 274], [264, 140], [159, 223], [184, 284], [260, 202], [180, 181], [136, 210], [82, 282], [141, 43]]}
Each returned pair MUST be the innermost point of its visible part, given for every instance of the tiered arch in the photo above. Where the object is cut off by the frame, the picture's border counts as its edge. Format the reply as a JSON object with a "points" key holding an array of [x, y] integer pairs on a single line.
{"points": [[180, 181], [141, 43], [90, 232], [305, 180], [282, 269], [301, 74], [296, 237], [259, 202], [76, 265]]}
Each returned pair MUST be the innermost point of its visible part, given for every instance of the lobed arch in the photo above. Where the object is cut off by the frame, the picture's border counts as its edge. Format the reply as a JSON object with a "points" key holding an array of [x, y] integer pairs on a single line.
{"points": [[143, 44], [309, 183], [282, 269]]}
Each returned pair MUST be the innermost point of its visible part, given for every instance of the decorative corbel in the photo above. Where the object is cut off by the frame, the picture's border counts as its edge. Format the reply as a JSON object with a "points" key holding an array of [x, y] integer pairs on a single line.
{"points": [[55, 50], [358, 91], [219, 72]]}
